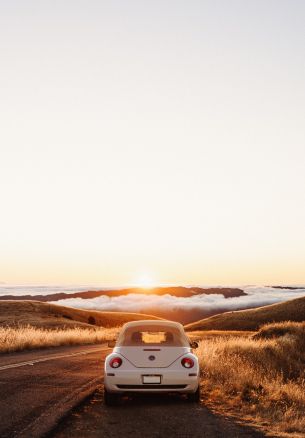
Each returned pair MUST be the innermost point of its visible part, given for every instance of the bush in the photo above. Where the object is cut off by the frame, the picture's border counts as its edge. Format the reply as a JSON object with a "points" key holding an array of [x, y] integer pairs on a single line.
{"points": [[91, 320]]}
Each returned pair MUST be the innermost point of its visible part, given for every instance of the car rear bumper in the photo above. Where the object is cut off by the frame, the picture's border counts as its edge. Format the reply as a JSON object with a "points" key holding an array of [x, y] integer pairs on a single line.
{"points": [[132, 381]]}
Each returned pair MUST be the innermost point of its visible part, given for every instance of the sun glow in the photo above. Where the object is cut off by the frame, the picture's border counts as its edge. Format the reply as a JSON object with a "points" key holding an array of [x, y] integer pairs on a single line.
{"points": [[145, 282]]}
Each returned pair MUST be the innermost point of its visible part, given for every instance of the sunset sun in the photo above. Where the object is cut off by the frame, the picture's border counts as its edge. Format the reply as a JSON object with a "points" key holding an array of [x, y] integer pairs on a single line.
{"points": [[145, 282]]}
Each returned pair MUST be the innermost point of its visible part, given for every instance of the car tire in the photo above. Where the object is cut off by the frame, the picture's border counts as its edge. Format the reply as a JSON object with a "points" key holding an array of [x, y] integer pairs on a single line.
{"points": [[194, 396], [110, 398]]}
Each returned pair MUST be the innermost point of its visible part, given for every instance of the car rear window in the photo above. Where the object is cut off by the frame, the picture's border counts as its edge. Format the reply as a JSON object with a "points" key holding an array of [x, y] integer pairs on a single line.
{"points": [[152, 336]]}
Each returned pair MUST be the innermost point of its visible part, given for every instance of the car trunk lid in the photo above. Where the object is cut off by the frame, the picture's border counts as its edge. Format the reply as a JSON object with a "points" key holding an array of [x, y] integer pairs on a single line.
{"points": [[152, 357]]}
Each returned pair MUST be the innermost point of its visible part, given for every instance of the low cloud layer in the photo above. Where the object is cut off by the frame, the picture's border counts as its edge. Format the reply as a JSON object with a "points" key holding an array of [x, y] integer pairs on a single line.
{"points": [[256, 296]]}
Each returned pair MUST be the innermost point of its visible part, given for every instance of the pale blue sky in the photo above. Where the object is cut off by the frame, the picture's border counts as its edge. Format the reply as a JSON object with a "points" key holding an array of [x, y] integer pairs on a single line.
{"points": [[156, 139]]}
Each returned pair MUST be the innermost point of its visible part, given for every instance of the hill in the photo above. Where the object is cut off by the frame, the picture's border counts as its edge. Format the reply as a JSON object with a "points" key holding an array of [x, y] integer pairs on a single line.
{"points": [[178, 291], [14, 313], [252, 319]]}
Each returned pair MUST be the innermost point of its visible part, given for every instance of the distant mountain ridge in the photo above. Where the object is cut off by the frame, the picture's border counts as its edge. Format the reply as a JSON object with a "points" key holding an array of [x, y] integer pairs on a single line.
{"points": [[178, 291], [288, 287]]}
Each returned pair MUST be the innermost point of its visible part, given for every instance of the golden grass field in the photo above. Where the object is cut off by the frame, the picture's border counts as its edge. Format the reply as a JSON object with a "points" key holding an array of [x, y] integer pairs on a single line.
{"points": [[28, 325], [261, 378], [29, 337], [44, 315]]}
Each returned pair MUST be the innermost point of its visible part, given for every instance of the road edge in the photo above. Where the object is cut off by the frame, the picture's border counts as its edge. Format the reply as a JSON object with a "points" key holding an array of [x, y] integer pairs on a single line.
{"points": [[43, 426]]}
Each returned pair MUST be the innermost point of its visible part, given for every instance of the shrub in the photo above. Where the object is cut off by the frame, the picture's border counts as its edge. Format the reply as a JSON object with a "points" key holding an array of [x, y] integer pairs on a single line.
{"points": [[91, 320]]}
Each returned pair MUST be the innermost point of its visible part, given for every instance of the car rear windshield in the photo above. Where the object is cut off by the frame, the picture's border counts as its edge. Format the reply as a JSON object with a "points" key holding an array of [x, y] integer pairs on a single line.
{"points": [[152, 336]]}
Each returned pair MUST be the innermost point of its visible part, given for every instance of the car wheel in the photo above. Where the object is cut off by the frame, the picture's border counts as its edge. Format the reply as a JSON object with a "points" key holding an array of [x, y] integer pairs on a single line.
{"points": [[110, 398], [194, 396]]}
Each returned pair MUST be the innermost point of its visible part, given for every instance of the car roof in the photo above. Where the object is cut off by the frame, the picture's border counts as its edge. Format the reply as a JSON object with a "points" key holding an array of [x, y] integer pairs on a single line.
{"points": [[152, 322]]}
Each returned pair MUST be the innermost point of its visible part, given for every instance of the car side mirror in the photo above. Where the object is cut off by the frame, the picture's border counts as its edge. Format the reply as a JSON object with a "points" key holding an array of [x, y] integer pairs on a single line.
{"points": [[111, 344], [194, 344]]}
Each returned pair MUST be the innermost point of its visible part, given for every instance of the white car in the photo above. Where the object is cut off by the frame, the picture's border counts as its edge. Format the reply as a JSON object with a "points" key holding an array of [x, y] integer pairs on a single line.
{"points": [[151, 357]]}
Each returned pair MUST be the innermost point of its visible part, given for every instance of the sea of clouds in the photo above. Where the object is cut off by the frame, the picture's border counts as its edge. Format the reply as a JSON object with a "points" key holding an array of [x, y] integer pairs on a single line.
{"points": [[256, 296]]}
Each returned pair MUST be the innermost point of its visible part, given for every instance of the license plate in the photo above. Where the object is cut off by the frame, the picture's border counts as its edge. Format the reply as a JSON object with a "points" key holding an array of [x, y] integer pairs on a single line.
{"points": [[152, 379]]}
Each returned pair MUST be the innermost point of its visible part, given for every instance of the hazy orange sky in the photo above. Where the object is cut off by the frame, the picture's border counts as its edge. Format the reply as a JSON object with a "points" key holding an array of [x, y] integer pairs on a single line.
{"points": [[152, 141]]}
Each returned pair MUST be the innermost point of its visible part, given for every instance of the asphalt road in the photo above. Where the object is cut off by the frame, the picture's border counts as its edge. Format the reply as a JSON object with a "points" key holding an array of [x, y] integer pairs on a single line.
{"points": [[38, 389], [149, 417]]}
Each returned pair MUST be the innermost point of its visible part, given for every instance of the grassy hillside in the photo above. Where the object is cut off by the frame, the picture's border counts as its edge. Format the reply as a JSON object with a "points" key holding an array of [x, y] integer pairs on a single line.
{"points": [[261, 378], [252, 319], [37, 314]]}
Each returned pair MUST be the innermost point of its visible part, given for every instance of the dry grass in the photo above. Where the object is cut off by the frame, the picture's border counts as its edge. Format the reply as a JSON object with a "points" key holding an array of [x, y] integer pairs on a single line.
{"points": [[45, 315], [27, 338], [198, 335], [262, 377], [31, 324], [253, 319]]}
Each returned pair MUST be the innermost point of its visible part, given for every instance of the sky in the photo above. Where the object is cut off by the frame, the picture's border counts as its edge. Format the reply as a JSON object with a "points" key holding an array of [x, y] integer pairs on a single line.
{"points": [[152, 142]]}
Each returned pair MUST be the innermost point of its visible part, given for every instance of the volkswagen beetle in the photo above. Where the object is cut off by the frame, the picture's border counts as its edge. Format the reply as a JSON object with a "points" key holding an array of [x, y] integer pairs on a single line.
{"points": [[151, 357]]}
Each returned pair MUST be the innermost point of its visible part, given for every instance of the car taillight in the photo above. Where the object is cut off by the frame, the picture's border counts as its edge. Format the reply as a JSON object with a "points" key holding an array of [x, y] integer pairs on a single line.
{"points": [[116, 362], [187, 362]]}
